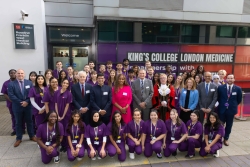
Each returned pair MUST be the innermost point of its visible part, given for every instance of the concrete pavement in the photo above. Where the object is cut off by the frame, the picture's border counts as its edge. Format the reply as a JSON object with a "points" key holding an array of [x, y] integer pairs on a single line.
{"points": [[28, 154]]}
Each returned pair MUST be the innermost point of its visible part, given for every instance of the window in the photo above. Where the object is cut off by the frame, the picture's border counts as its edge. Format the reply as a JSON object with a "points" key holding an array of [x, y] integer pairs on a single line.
{"points": [[125, 31], [107, 30], [160, 32], [244, 32], [225, 31], [190, 34]]}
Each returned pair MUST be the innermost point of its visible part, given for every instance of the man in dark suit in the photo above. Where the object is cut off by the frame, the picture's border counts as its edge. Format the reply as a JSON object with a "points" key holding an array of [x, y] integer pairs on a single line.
{"points": [[229, 97], [18, 91], [101, 99], [207, 96], [143, 91], [81, 97]]}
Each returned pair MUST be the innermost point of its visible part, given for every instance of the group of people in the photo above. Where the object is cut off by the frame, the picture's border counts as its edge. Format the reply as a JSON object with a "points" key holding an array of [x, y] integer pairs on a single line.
{"points": [[102, 111]]}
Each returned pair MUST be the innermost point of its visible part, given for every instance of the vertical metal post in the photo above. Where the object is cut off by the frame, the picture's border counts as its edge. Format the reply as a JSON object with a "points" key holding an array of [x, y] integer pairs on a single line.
{"points": [[241, 118]]}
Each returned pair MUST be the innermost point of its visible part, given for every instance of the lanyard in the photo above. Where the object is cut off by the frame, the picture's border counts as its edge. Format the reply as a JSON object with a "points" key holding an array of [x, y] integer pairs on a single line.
{"points": [[177, 92], [96, 131], [73, 131], [52, 133], [137, 131], [189, 131], [154, 130], [229, 92], [211, 135], [173, 127], [120, 129]]}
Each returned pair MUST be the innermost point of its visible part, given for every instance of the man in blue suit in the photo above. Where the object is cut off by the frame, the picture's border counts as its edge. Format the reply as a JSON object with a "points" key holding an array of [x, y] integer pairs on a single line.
{"points": [[229, 97], [101, 99], [81, 96], [18, 91]]}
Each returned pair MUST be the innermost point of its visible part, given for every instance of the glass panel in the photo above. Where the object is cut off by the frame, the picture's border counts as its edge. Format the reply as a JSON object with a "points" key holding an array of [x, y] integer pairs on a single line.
{"points": [[125, 31], [226, 31], [61, 53], [243, 36], [107, 30], [191, 34], [80, 57]]}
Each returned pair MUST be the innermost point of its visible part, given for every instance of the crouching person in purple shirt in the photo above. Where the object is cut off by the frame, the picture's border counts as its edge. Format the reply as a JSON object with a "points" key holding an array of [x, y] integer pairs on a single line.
{"points": [[117, 135], [134, 132], [176, 134], [96, 137], [49, 136], [153, 132], [195, 133], [213, 133]]}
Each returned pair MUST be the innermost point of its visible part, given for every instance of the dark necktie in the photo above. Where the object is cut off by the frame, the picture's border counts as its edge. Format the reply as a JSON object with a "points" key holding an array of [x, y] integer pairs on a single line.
{"points": [[207, 89], [22, 88], [229, 90], [82, 91]]}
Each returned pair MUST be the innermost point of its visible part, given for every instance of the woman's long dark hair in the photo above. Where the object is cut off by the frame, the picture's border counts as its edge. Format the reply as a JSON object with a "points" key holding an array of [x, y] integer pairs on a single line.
{"points": [[37, 88], [115, 128], [116, 86], [178, 120], [60, 79], [109, 78], [32, 72], [153, 80], [197, 70], [172, 83], [200, 76], [71, 121], [56, 127], [217, 123], [51, 90]]}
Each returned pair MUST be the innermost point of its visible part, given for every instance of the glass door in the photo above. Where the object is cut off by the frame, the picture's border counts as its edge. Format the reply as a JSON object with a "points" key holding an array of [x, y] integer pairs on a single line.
{"points": [[61, 53], [80, 57]]}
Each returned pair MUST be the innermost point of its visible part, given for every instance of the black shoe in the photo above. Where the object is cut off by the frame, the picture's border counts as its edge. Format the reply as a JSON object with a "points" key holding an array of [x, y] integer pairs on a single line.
{"points": [[61, 149], [24, 132], [65, 149], [189, 156], [174, 153], [13, 133]]}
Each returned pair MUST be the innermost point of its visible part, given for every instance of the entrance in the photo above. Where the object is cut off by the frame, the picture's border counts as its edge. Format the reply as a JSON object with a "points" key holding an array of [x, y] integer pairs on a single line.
{"points": [[73, 56]]}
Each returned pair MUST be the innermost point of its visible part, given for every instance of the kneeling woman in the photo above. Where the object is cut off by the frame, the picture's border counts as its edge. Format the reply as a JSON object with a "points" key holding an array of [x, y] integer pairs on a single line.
{"points": [[153, 131], [134, 131], [96, 137], [49, 136], [194, 138], [75, 135], [176, 134], [117, 135], [213, 133]]}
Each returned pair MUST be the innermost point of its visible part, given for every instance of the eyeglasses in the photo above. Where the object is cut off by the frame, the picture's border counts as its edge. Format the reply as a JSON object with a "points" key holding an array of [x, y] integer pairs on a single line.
{"points": [[216, 78]]}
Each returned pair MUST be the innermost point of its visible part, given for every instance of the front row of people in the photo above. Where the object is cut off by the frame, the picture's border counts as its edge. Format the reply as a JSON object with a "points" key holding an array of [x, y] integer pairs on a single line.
{"points": [[148, 137]]}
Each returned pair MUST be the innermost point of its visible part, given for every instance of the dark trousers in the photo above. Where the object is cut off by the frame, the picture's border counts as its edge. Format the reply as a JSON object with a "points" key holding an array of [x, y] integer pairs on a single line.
{"points": [[227, 118], [86, 117], [21, 116]]}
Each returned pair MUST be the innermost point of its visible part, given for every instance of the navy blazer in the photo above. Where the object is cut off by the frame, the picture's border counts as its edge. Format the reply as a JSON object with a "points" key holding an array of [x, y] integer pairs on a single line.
{"points": [[16, 95], [234, 100], [78, 100], [101, 98]]}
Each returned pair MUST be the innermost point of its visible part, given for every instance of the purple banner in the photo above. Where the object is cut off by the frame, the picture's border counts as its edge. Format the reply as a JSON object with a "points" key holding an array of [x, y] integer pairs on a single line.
{"points": [[106, 52]]}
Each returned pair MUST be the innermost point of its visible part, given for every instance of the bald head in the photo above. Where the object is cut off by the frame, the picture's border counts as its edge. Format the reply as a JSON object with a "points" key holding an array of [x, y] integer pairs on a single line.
{"points": [[208, 76], [20, 74]]}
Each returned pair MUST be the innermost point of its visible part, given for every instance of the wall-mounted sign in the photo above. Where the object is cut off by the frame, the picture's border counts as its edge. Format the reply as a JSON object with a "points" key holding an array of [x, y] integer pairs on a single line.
{"points": [[24, 36]]}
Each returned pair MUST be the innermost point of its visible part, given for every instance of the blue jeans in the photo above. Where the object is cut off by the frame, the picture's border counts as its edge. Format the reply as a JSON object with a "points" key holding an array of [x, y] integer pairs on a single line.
{"points": [[24, 114]]}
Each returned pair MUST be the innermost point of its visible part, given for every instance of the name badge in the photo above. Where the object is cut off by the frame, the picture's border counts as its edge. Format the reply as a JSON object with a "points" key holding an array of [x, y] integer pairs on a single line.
{"points": [[153, 138], [185, 92], [105, 93], [172, 138], [74, 141], [48, 143], [176, 97], [234, 93], [96, 142], [42, 101], [212, 90], [210, 141], [87, 91], [147, 87], [27, 86], [118, 141], [124, 94]]}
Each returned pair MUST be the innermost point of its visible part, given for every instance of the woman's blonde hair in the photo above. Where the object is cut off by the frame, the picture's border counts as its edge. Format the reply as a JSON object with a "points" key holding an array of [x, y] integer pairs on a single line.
{"points": [[194, 83]]}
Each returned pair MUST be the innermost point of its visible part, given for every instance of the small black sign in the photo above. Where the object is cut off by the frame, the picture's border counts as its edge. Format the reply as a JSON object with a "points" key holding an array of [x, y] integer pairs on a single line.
{"points": [[24, 36]]}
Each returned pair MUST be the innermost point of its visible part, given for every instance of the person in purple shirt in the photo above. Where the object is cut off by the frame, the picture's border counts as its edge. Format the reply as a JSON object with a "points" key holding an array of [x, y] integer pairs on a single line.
{"points": [[49, 136], [134, 134], [213, 133], [125, 66], [131, 77], [4, 91], [102, 69], [153, 132], [48, 97], [93, 80], [62, 75], [58, 69], [70, 76], [178, 86], [87, 70], [176, 134], [119, 67], [96, 137], [109, 66], [195, 133], [116, 132], [75, 134], [36, 94], [111, 79], [63, 98]]}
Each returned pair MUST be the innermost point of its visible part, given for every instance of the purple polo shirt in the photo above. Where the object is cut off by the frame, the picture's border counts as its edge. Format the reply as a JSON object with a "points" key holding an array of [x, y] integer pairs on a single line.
{"points": [[38, 99], [62, 100], [76, 132], [49, 98], [5, 91], [121, 130], [220, 131], [134, 129], [176, 132], [149, 129], [92, 133], [195, 129]]}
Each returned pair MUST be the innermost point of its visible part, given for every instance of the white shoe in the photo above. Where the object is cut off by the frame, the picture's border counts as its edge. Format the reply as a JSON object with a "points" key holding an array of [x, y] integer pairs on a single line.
{"points": [[98, 157], [132, 155], [93, 158], [56, 159], [79, 159], [217, 154]]}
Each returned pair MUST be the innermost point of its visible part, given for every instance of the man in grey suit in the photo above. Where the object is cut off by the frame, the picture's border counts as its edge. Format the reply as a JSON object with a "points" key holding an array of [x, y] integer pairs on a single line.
{"points": [[142, 94], [207, 96]]}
